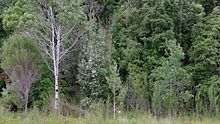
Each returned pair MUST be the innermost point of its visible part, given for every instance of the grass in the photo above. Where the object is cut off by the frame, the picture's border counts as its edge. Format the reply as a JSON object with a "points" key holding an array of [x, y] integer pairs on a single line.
{"points": [[96, 117]]}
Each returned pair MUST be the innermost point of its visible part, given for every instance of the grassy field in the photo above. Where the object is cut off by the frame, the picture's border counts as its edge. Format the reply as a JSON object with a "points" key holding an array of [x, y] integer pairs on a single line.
{"points": [[34, 117]]}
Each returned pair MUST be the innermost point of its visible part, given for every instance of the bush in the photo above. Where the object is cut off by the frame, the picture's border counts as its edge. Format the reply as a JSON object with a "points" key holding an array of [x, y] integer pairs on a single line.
{"points": [[11, 98], [21, 61], [40, 93], [2, 85], [66, 90]]}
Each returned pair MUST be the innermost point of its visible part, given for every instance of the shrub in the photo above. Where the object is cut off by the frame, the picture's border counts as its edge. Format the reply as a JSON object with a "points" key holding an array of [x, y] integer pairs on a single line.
{"points": [[40, 93], [2, 85], [21, 61], [11, 98], [66, 90]]}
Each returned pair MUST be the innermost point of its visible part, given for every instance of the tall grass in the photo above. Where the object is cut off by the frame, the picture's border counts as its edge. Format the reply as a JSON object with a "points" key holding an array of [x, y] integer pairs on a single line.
{"points": [[35, 117], [97, 116]]}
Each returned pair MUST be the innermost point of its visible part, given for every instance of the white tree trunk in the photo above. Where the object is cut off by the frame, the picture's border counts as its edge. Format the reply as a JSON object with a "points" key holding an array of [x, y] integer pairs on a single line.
{"points": [[56, 89], [55, 58]]}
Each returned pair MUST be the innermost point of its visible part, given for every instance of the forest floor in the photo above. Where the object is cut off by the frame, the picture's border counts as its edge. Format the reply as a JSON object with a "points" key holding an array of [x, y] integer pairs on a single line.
{"points": [[35, 117]]}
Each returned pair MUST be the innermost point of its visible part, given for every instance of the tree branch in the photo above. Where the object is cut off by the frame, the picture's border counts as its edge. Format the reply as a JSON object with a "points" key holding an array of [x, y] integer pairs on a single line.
{"points": [[67, 50]]}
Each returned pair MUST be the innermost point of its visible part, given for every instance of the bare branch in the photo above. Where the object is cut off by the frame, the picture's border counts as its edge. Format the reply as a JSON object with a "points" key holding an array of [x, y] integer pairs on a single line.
{"points": [[67, 50], [67, 33], [46, 62]]}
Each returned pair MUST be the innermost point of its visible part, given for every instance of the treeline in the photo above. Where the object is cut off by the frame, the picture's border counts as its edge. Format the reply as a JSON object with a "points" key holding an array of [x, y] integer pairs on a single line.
{"points": [[159, 56]]}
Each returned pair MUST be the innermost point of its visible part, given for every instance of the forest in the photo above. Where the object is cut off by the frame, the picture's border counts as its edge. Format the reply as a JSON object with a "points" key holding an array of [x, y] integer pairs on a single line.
{"points": [[109, 61]]}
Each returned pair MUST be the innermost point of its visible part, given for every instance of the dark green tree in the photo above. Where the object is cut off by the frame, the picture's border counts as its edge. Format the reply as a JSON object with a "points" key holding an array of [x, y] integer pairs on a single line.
{"points": [[4, 4], [209, 5], [204, 52], [184, 13], [140, 30]]}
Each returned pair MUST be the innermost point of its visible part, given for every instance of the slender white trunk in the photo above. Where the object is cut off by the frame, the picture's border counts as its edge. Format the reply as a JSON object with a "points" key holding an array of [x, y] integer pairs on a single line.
{"points": [[56, 90], [55, 62]]}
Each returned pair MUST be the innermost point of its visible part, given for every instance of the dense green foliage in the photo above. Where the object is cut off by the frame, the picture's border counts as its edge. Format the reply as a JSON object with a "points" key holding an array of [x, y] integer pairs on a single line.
{"points": [[171, 82], [92, 61], [11, 98], [158, 56], [16, 50], [40, 94], [21, 61]]}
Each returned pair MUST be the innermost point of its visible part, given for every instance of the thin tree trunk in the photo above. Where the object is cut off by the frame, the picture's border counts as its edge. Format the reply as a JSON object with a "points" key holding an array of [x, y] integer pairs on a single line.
{"points": [[170, 116], [57, 60], [25, 92], [26, 101], [56, 89], [26, 104], [114, 104], [55, 63]]}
